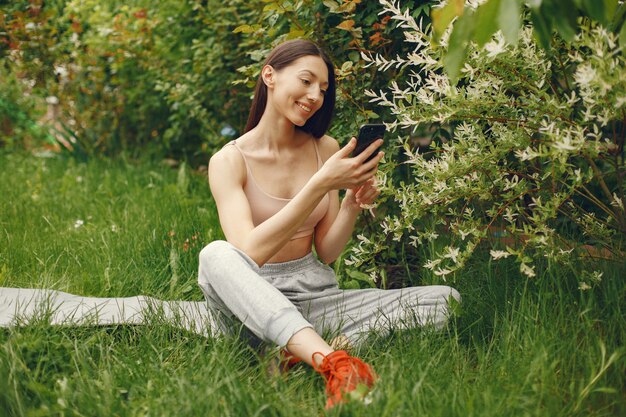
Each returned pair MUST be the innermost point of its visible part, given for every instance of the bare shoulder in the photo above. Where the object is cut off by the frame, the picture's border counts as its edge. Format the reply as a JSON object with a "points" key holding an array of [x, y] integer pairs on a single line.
{"points": [[328, 146], [227, 162]]}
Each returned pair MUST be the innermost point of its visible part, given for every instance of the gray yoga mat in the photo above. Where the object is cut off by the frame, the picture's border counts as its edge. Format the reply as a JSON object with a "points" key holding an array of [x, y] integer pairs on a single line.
{"points": [[19, 306]]}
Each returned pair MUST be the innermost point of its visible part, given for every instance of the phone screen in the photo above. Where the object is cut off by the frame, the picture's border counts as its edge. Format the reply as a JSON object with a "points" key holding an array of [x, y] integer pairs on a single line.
{"points": [[367, 134]]}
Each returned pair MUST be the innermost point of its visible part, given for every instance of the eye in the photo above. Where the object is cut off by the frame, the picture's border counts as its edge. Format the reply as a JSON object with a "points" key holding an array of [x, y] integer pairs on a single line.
{"points": [[323, 92], [306, 82]]}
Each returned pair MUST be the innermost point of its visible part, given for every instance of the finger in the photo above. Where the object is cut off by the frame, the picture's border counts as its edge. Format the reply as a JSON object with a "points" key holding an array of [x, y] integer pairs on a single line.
{"points": [[369, 150], [347, 150], [371, 164], [368, 193], [368, 198], [362, 178], [365, 188]]}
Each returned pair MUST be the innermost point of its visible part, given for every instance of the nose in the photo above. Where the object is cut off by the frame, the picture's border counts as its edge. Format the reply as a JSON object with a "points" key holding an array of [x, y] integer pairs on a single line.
{"points": [[314, 96]]}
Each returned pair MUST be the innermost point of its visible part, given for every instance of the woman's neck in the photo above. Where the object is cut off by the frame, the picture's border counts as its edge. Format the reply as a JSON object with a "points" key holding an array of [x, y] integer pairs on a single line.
{"points": [[277, 131]]}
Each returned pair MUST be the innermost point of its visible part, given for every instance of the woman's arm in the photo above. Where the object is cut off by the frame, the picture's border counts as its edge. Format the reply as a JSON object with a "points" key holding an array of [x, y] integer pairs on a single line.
{"points": [[335, 229], [226, 179]]}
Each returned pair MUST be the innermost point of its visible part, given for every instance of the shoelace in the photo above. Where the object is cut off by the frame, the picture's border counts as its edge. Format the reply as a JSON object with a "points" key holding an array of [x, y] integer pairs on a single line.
{"points": [[343, 371]]}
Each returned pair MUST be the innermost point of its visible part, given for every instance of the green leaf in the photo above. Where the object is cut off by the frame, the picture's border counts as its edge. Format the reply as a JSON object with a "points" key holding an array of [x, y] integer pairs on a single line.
{"points": [[270, 7], [332, 5], [359, 276], [486, 21], [243, 29], [622, 36], [618, 17], [371, 115], [457, 46], [595, 9], [610, 6], [442, 16], [564, 15], [605, 390], [542, 28], [509, 20], [295, 33], [351, 285]]}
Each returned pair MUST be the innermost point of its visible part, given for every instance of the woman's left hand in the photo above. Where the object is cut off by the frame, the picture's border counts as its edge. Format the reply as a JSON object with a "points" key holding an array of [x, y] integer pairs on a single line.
{"points": [[363, 195]]}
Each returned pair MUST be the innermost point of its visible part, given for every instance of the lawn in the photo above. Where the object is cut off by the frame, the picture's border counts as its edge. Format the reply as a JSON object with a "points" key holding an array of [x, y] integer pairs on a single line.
{"points": [[112, 228]]}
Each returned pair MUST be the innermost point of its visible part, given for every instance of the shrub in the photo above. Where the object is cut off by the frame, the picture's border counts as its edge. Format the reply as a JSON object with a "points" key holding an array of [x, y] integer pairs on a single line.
{"points": [[529, 146], [126, 80]]}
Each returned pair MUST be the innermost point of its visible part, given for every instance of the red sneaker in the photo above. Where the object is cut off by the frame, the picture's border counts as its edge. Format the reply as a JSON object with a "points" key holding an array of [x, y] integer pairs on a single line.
{"points": [[346, 377]]}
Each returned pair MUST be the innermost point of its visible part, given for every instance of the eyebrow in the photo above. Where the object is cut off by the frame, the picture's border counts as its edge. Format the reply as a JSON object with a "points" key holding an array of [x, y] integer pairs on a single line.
{"points": [[305, 70]]}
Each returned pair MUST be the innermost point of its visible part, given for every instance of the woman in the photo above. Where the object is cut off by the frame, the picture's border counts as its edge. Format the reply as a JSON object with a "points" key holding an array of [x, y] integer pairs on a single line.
{"points": [[276, 191]]}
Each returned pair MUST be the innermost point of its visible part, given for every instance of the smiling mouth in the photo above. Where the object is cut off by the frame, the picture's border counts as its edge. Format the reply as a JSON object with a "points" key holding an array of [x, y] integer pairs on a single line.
{"points": [[303, 107]]}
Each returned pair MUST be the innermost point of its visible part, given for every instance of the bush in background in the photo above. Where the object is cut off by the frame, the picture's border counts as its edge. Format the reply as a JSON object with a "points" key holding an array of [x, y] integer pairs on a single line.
{"points": [[176, 76]]}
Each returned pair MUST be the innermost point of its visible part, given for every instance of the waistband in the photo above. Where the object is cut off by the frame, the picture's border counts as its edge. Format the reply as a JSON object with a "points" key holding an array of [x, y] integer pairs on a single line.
{"points": [[295, 265]]}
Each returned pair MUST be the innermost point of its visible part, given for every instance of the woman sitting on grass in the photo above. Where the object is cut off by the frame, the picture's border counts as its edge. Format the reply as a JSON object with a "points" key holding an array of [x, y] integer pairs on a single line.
{"points": [[276, 190]]}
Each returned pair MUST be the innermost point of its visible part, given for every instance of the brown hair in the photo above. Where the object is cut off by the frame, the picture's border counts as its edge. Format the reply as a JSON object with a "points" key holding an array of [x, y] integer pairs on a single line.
{"points": [[282, 56]]}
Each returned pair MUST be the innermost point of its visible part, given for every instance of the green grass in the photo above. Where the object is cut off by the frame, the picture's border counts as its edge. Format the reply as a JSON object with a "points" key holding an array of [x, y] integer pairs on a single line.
{"points": [[519, 347]]}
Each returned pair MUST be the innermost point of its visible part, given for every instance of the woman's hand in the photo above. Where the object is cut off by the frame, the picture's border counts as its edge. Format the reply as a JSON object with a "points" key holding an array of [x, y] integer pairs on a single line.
{"points": [[364, 195], [341, 171]]}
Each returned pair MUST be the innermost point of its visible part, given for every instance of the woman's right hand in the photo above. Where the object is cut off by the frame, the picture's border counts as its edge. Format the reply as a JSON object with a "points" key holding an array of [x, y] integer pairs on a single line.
{"points": [[341, 171]]}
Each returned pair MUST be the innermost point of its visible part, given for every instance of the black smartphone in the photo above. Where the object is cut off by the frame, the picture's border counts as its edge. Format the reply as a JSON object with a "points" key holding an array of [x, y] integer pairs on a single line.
{"points": [[367, 134]]}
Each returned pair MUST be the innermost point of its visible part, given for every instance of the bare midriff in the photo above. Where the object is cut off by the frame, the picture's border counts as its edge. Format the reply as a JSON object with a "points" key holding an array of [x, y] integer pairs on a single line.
{"points": [[294, 249]]}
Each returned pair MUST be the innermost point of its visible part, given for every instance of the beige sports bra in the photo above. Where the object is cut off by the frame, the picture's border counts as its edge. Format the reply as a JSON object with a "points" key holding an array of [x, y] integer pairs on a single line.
{"points": [[263, 206]]}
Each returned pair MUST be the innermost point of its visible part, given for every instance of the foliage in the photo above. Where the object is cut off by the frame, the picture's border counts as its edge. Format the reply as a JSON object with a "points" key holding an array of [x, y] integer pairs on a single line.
{"points": [[479, 20], [125, 80], [18, 108], [532, 150]]}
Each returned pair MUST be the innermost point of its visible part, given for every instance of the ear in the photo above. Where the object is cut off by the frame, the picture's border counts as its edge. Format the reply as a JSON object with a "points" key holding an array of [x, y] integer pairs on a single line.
{"points": [[268, 75]]}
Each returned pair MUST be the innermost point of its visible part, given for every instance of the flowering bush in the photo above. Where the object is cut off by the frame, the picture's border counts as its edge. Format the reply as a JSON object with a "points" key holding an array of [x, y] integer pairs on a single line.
{"points": [[528, 145]]}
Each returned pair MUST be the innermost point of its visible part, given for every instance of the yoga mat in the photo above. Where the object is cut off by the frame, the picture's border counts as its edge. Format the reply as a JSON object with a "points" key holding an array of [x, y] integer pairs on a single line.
{"points": [[19, 306]]}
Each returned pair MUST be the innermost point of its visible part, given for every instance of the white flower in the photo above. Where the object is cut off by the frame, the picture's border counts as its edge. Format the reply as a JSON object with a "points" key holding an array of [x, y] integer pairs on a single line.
{"points": [[583, 286], [432, 263], [78, 223], [464, 233], [61, 71], [496, 46], [453, 253], [442, 272], [584, 75], [527, 154], [510, 183], [510, 215], [497, 254], [566, 144], [363, 239], [617, 202], [527, 270], [104, 32], [114, 228], [596, 276]]}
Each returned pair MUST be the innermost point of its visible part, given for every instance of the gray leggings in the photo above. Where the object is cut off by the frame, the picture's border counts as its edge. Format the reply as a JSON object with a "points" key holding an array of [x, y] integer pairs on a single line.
{"points": [[277, 300]]}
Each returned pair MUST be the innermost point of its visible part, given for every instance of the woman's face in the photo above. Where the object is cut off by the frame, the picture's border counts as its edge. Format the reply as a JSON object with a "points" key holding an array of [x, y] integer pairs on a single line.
{"points": [[298, 89]]}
